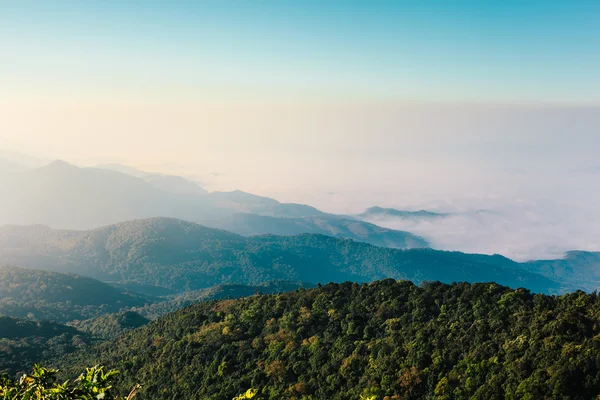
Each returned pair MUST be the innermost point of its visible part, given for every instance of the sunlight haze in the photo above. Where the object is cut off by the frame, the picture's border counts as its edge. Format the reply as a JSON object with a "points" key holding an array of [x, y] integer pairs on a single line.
{"points": [[396, 104]]}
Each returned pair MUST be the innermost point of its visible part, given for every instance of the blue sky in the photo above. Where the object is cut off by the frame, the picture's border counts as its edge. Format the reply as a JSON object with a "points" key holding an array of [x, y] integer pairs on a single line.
{"points": [[464, 51]]}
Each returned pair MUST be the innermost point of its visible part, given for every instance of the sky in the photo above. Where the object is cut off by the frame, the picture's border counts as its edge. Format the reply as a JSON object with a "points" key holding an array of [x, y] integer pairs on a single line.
{"points": [[508, 51], [450, 105]]}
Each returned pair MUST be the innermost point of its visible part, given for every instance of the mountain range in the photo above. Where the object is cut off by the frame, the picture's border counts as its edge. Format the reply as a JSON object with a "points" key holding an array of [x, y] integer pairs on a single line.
{"points": [[65, 196], [96, 200], [380, 212], [324, 224], [184, 256], [156, 293]]}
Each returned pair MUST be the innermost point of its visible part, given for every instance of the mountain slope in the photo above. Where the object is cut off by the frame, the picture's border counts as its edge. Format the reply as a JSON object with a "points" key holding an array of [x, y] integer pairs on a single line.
{"points": [[253, 224], [110, 326], [23, 342], [62, 195], [65, 196], [61, 297], [219, 292], [175, 184], [387, 338], [184, 256], [242, 202], [578, 269]]}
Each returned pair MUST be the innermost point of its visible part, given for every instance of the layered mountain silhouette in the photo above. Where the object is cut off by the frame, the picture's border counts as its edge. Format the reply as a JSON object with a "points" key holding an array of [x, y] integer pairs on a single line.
{"points": [[184, 256], [380, 212], [62, 195], [65, 196], [253, 224]]}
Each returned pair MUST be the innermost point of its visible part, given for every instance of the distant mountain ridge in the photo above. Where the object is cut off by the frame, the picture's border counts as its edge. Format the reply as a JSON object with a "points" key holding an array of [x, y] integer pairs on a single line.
{"points": [[242, 202], [184, 256], [62, 195], [253, 224], [169, 183], [392, 212], [65, 196]]}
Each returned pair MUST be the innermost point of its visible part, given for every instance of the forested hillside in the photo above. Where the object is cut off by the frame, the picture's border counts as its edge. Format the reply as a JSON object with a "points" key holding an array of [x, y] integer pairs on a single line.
{"points": [[24, 342], [387, 339], [577, 269], [219, 292], [36, 294], [183, 256], [110, 326]]}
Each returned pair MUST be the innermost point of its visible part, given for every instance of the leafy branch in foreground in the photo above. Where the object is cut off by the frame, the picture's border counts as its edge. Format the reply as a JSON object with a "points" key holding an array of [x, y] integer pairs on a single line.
{"points": [[249, 394], [41, 384]]}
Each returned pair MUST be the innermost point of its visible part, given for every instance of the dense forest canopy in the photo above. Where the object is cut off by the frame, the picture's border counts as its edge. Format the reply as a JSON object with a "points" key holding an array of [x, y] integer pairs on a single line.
{"points": [[384, 340], [110, 326], [24, 342], [219, 292]]}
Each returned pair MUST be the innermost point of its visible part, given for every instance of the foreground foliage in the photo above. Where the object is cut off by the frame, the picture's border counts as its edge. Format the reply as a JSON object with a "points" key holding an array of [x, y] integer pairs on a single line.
{"points": [[384, 340], [42, 384]]}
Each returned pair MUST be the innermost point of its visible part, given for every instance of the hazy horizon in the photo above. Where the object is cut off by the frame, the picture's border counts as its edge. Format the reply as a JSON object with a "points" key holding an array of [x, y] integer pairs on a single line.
{"points": [[452, 106], [522, 214]]}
